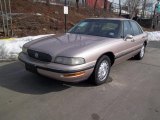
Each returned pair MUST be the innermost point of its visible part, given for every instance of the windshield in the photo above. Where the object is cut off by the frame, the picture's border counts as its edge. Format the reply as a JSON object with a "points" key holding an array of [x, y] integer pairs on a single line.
{"points": [[98, 27]]}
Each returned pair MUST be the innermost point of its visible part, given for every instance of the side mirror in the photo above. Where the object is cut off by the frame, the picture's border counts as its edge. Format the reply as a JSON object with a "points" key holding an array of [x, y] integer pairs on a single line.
{"points": [[128, 37]]}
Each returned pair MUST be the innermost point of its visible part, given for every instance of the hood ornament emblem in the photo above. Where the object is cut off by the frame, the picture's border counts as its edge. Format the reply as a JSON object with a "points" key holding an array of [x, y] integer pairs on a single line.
{"points": [[36, 55]]}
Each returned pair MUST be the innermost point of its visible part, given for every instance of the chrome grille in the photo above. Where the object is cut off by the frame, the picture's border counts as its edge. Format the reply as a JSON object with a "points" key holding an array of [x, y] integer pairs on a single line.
{"points": [[39, 55]]}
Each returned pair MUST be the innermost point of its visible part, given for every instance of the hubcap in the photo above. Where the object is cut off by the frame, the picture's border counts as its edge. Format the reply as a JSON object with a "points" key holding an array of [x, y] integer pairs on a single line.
{"points": [[142, 52], [103, 70]]}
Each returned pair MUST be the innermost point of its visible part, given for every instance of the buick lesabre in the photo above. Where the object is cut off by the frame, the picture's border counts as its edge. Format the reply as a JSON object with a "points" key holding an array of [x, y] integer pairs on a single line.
{"points": [[86, 51]]}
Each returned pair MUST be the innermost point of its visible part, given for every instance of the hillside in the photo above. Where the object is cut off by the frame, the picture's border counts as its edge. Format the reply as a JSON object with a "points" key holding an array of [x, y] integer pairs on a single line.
{"points": [[38, 18]]}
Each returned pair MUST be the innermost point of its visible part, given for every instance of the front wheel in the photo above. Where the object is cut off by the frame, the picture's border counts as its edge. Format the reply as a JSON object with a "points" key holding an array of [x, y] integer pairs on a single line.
{"points": [[140, 55], [101, 71]]}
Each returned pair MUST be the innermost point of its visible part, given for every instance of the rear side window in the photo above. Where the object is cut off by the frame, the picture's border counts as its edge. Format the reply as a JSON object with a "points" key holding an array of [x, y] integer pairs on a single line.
{"points": [[136, 29], [127, 28]]}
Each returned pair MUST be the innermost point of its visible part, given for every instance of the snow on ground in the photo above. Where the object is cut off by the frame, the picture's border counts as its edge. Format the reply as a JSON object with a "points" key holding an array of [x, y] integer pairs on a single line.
{"points": [[154, 36], [122, 11], [10, 48]]}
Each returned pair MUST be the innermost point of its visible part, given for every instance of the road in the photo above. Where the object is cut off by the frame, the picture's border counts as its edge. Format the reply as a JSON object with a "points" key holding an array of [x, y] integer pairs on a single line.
{"points": [[133, 93]]}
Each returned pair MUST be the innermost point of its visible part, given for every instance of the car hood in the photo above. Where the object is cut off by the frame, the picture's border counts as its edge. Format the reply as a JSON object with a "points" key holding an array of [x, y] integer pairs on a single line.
{"points": [[64, 44]]}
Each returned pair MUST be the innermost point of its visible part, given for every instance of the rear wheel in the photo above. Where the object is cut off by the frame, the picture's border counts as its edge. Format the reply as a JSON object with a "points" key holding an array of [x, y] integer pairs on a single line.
{"points": [[140, 55], [101, 71]]}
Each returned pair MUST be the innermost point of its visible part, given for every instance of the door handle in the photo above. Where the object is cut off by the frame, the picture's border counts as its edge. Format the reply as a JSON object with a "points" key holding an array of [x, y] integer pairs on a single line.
{"points": [[143, 37]]}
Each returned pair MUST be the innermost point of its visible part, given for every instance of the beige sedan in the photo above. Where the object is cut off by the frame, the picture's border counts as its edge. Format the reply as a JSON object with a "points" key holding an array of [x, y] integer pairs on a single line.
{"points": [[86, 51]]}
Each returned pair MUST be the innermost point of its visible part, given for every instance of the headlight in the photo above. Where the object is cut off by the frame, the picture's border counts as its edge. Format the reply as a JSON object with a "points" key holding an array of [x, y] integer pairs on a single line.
{"points": [[24, 50], [69, 60]]}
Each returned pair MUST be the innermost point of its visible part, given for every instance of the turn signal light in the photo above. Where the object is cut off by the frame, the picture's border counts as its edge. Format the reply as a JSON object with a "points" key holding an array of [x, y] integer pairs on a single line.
{"points": [[71, 75]]}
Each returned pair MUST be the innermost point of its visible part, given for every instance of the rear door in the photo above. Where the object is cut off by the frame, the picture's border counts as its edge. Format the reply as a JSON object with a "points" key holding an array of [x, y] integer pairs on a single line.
{"points": [[139, 35], [125, 48]]}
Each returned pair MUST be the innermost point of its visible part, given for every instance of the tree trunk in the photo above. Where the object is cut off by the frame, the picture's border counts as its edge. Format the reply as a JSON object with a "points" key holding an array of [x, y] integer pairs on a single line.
{"points": [[83, 3], [143, 9], [77, 4], [120, 9], [105, 5], [48, 2], [95, 4]]}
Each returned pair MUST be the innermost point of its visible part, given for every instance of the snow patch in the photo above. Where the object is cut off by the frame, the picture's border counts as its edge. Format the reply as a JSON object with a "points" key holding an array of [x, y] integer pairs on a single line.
{"points": [[154, 36], [10, 48]]}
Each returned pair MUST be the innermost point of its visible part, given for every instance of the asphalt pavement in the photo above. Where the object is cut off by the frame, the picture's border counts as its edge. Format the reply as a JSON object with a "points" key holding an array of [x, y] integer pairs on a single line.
{"points": [[132, 93]]}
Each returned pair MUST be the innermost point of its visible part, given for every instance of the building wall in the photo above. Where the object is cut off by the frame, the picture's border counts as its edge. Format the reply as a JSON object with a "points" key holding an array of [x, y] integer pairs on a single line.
{"points": [[100, 3]]}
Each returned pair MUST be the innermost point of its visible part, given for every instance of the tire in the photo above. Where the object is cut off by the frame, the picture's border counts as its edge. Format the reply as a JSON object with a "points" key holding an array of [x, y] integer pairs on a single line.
{"points": [[101, 71], [140, 55]]}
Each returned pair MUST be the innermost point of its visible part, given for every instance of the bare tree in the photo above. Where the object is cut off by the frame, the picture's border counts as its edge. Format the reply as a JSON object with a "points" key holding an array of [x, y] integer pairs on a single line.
{"points": [[133, 6], [48, 2], [156, 16]]}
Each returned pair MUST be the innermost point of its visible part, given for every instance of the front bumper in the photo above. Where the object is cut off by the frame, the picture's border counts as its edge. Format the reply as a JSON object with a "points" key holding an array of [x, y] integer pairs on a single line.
{"points": [[58, 71]]}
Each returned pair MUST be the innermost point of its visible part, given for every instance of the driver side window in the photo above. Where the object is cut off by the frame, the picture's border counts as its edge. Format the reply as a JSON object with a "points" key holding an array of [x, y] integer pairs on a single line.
{"points": [[81, 28]]}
